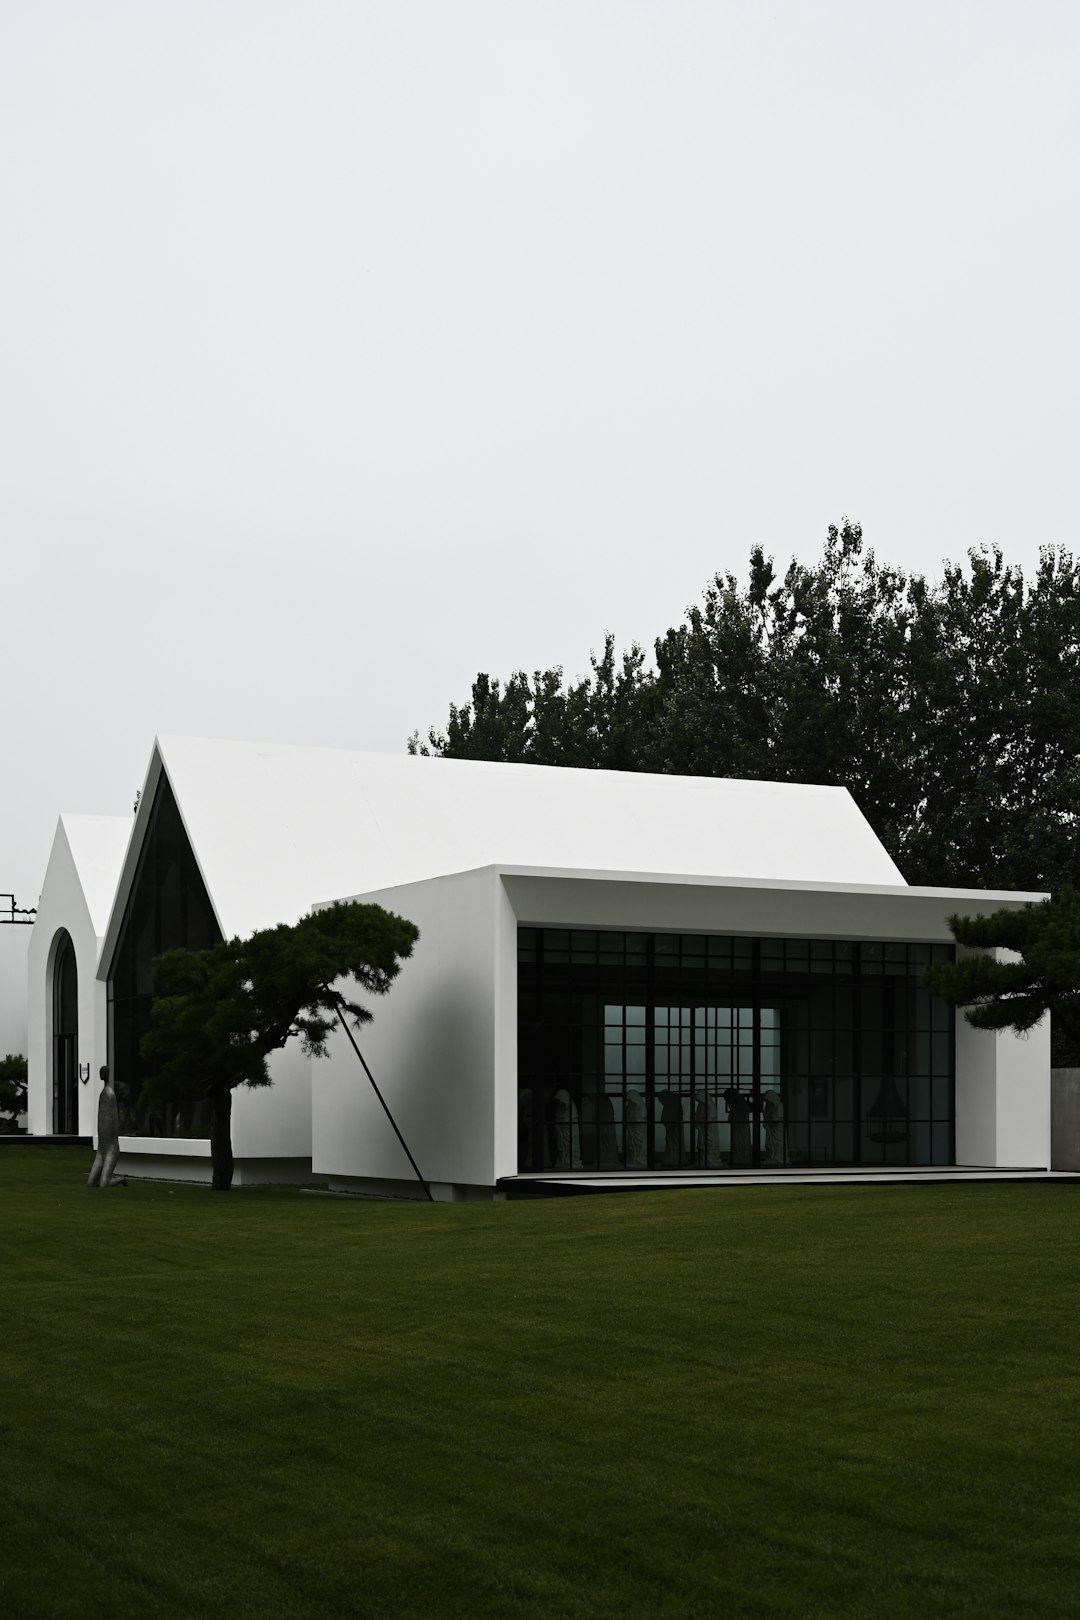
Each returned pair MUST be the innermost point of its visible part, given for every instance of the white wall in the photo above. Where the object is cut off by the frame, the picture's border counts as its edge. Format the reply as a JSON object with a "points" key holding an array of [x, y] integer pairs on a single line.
{"points": [[705, 906], [505, 974], [178, 1159], [275, 1122], [433, 1049], [63, 906], [1002, 1093], [14, 945], [1023, 1099], [1002, 1097], [976, 1094], [271, 1133]]}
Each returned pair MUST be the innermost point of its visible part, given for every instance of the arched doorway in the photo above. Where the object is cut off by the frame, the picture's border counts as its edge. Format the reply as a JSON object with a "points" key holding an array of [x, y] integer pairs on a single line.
{"points": [[65, 1039]]}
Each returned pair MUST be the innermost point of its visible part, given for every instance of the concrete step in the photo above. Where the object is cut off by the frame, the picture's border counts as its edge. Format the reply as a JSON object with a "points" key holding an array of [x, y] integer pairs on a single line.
{"points": [[575, 1182]]}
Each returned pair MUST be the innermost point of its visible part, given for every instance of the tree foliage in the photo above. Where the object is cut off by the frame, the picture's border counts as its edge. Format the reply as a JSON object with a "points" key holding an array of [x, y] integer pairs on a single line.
{"points": [[13, 1072], [1042, 977], [949, 709], [542, 720], [219, 1013]]}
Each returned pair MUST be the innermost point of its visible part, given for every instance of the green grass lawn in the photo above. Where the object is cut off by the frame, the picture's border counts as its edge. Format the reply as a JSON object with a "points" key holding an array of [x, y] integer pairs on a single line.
{"points": [[806, 1401]]}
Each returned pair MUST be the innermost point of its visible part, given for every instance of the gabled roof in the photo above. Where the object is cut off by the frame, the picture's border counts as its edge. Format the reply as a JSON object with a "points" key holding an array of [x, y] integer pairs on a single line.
{"points": [[97, 845], [276, 829]]}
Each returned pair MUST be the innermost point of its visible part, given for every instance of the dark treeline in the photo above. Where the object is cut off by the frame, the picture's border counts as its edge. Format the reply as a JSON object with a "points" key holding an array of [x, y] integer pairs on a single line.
{"points": [[950, 709]]}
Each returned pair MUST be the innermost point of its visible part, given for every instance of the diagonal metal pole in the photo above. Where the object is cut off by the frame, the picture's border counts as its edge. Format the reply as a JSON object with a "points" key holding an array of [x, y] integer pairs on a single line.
{"points": [[352, 1042]]}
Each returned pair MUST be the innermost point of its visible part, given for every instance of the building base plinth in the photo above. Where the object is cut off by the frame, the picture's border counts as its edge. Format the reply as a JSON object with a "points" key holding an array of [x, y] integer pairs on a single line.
{"points": [[443, 1192], [197, 1168]]}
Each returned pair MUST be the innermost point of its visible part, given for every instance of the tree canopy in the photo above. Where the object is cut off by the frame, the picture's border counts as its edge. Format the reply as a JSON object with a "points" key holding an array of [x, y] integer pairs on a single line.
{"points": [[950, 709], [219, 1013], [1043, 976], [12, 1090]]}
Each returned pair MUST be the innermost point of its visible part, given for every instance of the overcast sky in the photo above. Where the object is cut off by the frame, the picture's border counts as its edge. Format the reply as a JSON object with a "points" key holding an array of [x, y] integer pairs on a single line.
{"points": [[347, 349]]}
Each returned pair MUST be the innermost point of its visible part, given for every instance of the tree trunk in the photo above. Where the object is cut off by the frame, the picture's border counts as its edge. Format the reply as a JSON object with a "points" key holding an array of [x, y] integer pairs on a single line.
{"points": [[221, 1153]]}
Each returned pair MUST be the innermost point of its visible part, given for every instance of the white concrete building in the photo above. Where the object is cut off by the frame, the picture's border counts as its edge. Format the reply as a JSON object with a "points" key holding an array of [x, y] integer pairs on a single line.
{"points": [[615, 971], [645, 999], [67, 1036]]}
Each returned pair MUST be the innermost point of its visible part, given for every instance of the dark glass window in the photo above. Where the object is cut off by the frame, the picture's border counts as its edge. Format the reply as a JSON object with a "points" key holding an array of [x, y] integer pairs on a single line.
{"points": [[65, 1041], [651, 1051], [168, 907]]}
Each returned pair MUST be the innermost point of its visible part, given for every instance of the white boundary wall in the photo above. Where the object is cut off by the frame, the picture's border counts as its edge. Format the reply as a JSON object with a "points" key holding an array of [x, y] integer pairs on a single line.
{"points": [[271, 1133]]}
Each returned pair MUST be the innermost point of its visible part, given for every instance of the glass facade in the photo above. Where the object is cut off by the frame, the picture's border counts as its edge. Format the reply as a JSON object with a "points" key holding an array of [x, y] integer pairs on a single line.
{"points": [[680, 1051], [168, 907]]}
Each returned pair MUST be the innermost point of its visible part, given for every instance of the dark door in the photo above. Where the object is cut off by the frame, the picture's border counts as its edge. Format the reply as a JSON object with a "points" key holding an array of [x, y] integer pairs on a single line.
{"points": [[65, 1040]]}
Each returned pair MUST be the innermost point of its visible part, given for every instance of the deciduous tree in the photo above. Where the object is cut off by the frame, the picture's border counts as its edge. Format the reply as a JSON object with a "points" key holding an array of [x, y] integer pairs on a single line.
{"points": [[950, 709]]}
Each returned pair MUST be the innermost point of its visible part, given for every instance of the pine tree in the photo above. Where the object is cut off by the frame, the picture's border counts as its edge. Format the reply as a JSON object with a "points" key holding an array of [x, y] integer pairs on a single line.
{"points": [[220, 1013], [1043, 977]]}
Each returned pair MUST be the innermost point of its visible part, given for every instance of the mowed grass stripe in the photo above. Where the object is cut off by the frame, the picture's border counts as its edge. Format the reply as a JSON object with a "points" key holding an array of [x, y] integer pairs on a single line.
{"points": [[848, 1401]]}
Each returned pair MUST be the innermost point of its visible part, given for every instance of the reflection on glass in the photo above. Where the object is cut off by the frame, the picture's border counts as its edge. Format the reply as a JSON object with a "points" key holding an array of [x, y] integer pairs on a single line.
{"points": [[168, 907], [713, 1052]]}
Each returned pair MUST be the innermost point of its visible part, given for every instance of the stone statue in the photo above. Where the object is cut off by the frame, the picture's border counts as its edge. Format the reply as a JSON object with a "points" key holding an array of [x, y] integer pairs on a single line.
{"points": [[706, 1132], [567, 1144], [773, 1110], [634, 1133], [671, 1118], [738, 1108], [108, 1135]]}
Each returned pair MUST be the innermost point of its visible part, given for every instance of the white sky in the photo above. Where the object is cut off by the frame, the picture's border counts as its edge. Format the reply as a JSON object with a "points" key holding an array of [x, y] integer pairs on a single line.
{"points": [[347, 349]]}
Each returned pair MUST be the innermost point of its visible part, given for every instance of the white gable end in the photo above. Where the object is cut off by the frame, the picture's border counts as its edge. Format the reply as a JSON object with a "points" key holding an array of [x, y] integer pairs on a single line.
{"points": [[97, 845]]}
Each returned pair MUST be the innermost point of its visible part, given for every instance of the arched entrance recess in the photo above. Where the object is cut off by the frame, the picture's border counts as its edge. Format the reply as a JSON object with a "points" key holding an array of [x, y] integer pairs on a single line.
{"points": [[65, 1040]]}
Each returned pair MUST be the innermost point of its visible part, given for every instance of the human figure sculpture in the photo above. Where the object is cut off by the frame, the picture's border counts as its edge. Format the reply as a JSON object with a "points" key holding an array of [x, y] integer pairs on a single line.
{"points": [[706, 1132], [671, 1118], [634, 1140], [108, 1135], [773, 1112], [738, 1108], [567, 1144]]}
